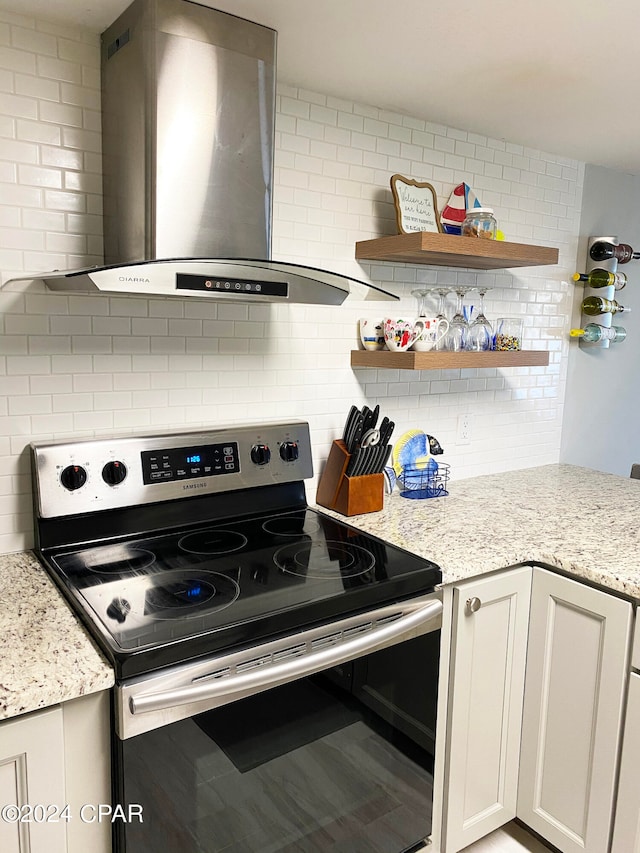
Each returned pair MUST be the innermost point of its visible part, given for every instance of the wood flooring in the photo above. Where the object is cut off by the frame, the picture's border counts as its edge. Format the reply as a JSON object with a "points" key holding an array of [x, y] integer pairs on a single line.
{"points": [[510, 839]]}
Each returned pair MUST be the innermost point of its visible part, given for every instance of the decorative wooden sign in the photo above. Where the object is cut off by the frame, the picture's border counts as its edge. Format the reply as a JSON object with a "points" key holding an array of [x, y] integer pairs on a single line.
{"points": [[416, 205]]}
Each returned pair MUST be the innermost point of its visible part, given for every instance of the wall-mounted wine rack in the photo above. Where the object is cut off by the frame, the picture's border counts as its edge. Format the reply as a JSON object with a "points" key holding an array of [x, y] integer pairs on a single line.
{"points": [[609, 292]]}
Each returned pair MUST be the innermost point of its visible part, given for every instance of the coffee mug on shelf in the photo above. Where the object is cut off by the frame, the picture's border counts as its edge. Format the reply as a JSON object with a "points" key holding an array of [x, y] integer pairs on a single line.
{"points": [[435, 328], [371, 333], [399, 335]]}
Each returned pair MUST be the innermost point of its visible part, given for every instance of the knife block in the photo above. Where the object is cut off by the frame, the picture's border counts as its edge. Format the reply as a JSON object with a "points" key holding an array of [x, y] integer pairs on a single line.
{"points": [[348, 495]]}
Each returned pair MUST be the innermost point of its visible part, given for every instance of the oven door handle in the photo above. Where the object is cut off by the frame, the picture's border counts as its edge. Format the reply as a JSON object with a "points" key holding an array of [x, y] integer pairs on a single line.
{"points": [[419, 618]]}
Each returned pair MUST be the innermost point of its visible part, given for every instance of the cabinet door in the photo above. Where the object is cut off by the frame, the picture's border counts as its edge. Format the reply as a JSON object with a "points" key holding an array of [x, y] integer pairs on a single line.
{"points": [[577, 665], [485, 689], [626, 834], [87, 768], [32, 774]]}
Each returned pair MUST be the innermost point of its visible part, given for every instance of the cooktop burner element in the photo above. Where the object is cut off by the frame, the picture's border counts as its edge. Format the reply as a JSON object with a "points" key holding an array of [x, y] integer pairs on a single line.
{"points": [[289, 524], [121, 559], [186, 558], [212, 541], [324, 559], [176, 594]]}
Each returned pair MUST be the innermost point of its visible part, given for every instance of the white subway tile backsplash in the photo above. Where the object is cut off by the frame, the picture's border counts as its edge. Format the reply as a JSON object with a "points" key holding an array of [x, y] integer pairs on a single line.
{"points": [[83, 53], [36, 176], [130, 344], [131, 419], [56, 69], [92, 422], [84, 364], [17, 61], [92, 382], [50, 384], [55, 424], [36, 87], [73, 403], [61, 114]]}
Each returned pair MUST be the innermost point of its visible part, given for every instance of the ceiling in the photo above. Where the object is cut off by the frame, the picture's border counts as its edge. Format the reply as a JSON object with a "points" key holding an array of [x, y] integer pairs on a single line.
{"points": [[556, 75]]}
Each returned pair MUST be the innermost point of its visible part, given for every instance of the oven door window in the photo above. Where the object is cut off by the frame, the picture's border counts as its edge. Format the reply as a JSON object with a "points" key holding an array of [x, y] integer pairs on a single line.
{"points": [[300, 768]]}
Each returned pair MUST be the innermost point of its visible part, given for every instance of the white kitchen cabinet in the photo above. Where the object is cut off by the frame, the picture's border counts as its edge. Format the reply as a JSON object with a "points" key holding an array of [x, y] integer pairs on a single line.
{"points": [[32, 774], [577, 670], [87, 770], [626, 833], [49, 760], [481, 699]]}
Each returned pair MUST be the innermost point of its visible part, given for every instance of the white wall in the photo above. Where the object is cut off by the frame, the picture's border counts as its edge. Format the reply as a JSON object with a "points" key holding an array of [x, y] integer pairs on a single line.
{"points": [[84, 365], [602, 408]]}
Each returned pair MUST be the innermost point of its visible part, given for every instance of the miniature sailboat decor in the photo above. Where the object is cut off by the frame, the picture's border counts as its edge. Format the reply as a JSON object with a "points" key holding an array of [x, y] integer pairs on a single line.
{"points": [[453, 213]]}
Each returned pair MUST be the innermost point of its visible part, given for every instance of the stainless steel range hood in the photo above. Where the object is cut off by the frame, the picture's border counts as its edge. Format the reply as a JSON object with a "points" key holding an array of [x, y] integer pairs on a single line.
{"points": [[215, 278], [188, 115]]}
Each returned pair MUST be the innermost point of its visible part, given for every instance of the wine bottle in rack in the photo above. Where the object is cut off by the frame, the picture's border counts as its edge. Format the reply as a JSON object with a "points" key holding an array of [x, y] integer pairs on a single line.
{"points": [[604, 251], [593, 333], [594, 305], [601, 278]]}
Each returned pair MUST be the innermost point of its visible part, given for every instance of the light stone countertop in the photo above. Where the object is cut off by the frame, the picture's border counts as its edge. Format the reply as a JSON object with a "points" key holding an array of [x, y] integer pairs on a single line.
{"points": [[584, 522], [47, 656]]}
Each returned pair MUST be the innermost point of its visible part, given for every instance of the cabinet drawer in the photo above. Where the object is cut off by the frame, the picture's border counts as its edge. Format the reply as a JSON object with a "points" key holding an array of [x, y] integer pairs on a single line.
{"points": [[635, 654]]}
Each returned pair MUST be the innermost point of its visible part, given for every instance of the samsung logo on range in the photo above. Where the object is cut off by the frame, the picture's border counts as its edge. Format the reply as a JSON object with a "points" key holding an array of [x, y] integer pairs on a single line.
{"points": [[134, 278], [189, 486]]}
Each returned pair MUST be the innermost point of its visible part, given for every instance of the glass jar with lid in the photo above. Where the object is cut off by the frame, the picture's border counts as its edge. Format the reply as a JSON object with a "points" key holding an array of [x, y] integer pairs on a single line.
{"points": [[479, 222]]}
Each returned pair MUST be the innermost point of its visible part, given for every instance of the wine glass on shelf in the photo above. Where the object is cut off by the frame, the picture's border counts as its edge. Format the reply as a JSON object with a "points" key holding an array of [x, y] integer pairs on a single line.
{"points": [[456, 338], [480, 336], [441, 314], [422, 294]]}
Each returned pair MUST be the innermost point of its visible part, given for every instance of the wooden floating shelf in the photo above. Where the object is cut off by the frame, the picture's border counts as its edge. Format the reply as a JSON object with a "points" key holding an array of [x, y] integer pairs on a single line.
{"points": [[447, 360], [450, 250]]}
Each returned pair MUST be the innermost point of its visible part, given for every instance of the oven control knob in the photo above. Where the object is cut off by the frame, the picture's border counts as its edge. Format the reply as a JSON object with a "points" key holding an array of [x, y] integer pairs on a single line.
{"points": [[114, 473], [73, 477], [289, 451], [118, 609], [260, 454]]}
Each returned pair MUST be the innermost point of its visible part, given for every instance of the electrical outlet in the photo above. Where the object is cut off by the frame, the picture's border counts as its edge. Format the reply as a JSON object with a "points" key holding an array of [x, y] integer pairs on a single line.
{"points": [[463, 435]]}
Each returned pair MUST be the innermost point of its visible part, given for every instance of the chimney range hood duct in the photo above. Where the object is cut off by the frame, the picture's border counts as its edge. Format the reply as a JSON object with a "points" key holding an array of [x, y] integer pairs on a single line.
{"points": [[188, 101]]}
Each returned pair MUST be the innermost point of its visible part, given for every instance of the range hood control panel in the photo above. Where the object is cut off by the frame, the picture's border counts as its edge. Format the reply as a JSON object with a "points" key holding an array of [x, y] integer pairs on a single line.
{"points": [[221, 285], [87, 476]]}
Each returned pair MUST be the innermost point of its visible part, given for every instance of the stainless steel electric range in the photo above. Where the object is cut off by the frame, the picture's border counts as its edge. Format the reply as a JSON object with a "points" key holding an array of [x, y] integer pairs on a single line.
{"points": [[276, 669]]}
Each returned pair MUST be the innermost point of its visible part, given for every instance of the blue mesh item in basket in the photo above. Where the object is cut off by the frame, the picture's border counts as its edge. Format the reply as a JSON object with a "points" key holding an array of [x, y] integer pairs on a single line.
{"points": [[424, 481]]}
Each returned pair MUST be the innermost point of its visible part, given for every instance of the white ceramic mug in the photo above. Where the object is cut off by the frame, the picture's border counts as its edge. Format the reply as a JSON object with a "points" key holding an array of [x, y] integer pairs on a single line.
{"points": [[435, 328], [371, 333], [399, 335]]}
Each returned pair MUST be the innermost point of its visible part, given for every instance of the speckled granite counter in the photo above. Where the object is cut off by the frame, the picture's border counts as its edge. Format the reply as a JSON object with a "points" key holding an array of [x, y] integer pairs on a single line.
{"points": [[582, 521], [46, 657]]}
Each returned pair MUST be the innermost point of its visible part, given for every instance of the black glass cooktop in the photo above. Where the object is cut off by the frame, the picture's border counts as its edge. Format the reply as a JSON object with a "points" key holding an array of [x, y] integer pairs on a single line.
{"points": [[162, 599]]}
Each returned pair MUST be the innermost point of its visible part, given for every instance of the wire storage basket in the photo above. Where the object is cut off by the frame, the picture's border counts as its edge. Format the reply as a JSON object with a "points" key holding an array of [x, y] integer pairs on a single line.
{"points": [[424, 481]]}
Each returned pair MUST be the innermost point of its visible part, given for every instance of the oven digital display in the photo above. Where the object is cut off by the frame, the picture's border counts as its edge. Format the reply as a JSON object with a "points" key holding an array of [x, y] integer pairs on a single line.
{"points": [[188, 463]]}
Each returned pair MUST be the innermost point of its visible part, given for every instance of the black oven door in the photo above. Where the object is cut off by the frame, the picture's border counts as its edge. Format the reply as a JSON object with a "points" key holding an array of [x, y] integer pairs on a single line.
{"points": [[313, 764]]}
